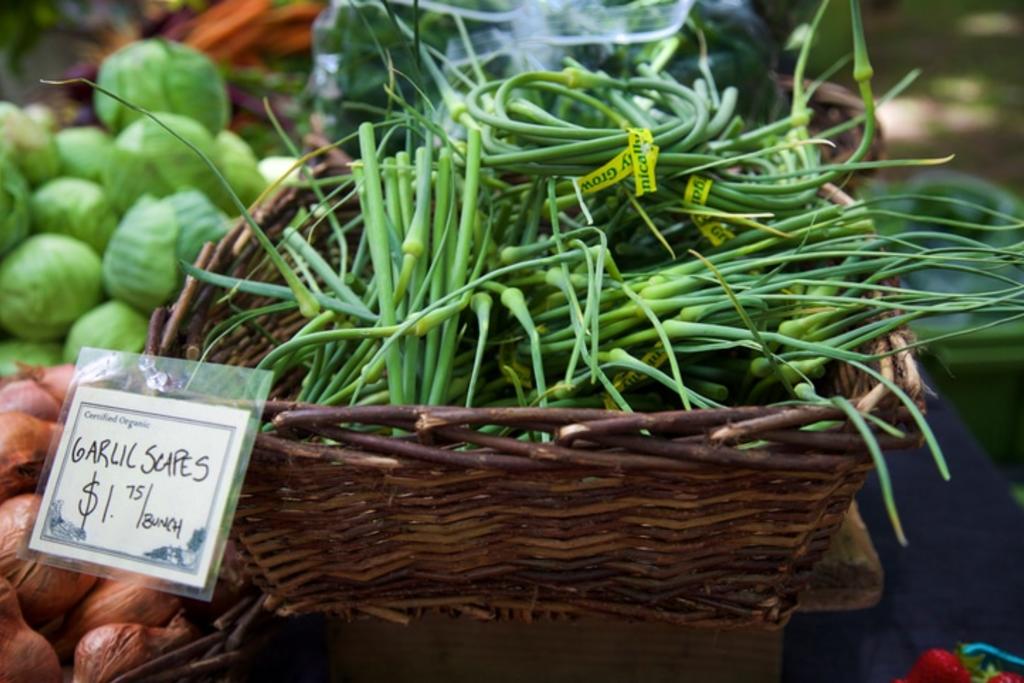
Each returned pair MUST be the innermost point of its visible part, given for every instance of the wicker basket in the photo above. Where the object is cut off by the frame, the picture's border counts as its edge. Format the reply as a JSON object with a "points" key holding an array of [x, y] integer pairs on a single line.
{"points": [[656, 516]]}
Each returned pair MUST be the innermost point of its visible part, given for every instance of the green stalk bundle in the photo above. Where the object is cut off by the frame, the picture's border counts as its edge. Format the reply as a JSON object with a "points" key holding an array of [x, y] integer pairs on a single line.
{"points": [[483, 276]]}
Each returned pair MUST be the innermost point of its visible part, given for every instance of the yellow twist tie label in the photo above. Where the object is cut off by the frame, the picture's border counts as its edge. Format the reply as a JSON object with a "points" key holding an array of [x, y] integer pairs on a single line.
{"points": [[698, 188], [645, 158], [655, 358], [615, 171], [639, 160], [624, 380]]}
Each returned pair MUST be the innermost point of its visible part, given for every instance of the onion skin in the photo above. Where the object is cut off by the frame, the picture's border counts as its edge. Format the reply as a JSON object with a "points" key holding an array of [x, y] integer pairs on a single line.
{"points": [[106, 652], [24, 442], [113, 602], [25, 656], [26, 396], [57, 380], [44, 592]]}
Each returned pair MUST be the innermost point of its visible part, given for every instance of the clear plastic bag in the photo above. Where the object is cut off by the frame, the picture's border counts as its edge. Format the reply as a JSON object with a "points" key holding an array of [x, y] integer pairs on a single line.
{"points": [[352, 37], [504, 37]]}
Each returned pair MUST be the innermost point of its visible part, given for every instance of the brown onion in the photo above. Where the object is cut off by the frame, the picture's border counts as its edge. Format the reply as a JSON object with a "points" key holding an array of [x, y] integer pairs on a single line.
{"points": [[44, 592], [57, 380], [114, 602], [106, 652], [25, 656], [25, 396], [24, 441]]}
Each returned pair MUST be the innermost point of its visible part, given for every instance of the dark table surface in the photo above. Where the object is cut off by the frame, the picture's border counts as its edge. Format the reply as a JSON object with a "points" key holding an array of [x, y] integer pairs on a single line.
{"points": [[961, 579]]}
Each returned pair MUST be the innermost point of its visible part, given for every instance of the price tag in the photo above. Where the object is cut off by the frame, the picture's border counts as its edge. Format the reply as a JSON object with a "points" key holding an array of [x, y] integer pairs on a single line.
{"points": [[143, 484]]}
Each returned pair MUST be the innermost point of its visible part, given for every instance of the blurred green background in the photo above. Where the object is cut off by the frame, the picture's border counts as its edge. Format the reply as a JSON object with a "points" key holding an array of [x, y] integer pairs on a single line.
{"points": [[968, 101]]}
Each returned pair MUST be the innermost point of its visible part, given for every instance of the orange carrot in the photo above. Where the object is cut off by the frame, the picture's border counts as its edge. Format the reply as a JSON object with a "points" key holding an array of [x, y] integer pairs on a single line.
{"points": [[287, 42], [206, 36], [304, 12], [246, 39]]}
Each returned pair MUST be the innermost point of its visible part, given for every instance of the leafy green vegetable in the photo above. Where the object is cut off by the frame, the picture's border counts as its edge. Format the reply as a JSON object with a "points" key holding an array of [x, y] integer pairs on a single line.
{"points": [[46, 283], [159, 75], [74, 207], [359, 44], [240, 166], [112, 325], [199, 222], [43, 115], [14, 351], [14, 216], [83, 152], [29, 144], [140, 266], [146, 159]]}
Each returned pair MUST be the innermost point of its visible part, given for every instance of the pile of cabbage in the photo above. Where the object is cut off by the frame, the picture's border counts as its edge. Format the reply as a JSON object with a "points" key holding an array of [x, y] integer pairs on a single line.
{"points": [[94, 221]]}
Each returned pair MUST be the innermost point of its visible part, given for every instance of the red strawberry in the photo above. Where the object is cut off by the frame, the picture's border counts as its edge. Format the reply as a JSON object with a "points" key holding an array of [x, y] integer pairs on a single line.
{"points": [[1006, 677], [938, 666]]}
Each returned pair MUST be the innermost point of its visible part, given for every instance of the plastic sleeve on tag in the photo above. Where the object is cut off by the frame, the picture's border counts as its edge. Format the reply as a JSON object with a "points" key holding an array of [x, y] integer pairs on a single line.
{"points": [[144, 475]]}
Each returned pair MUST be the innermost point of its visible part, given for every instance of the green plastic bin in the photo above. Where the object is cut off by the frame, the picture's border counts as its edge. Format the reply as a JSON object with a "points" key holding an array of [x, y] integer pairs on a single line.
{"points": [[983, 375]]}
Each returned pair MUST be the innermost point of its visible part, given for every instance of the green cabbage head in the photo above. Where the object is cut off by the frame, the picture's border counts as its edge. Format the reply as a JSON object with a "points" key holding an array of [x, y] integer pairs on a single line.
{"points": [[29, 144], [140, 266], [112, 325], [240, 166], [199, 222], [159, 75], [46, 283], [146, 159], [42, 114], [83, 152], [14, 215], [74, 207], [14, 351]]}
